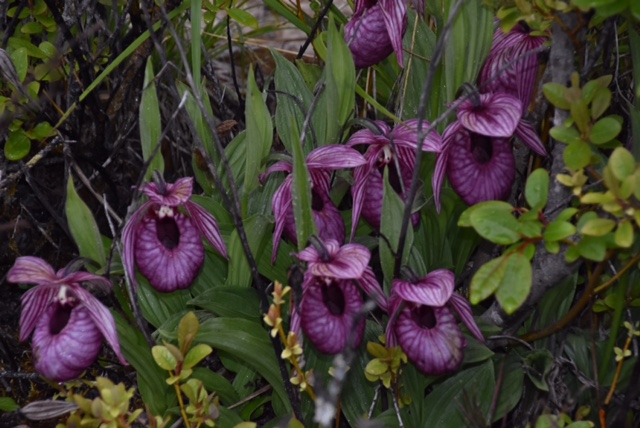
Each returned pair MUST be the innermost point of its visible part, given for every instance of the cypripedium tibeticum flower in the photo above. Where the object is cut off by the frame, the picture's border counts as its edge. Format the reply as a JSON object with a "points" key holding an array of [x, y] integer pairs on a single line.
{"points": [[163, 237], [423, 324], [68, 323], [320, 162], [476, 150], [376, 30], [511, 67], [392, 148], [331, 298]]}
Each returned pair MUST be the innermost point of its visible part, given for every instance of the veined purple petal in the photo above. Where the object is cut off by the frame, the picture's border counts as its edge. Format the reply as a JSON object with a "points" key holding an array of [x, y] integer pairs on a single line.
{"points": [[312, 255], [480, 168], [334, 156], [31, 270], [368, 38], [407, 134], [280, 166], [366, 136], [395, 19], [78, 277], [358, 190], [497, 116], [129, 242], [34, 303], [393, 309], [328, 313], [435, 289], [281, 205], [102, 319], [528, 135], [169, 252], [207, 225], [347, 262], [65, 343], [442, 159], [431, 338], [176, 193], [369, 284], [463, 309]]}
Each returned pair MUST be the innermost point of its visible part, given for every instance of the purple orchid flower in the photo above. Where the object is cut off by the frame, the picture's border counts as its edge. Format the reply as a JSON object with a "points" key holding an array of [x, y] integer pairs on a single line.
{"points": [[368, 185], [376, 30], [423, 325], [68, 323], [164, 242], [508, 68], [320, 163], [476, 153], [331, 299]]}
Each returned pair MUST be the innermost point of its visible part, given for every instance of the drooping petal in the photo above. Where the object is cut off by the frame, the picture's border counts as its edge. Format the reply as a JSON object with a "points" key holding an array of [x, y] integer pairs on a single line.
{"points": [[169, 266], [463, 309], [407, 135], [431, 338], [64, 347], [328, 313], [371, 287], [362, 186], [175, 194], [528, 135], [393, 309], [102, 318], [280, 166], [435, 289], [366, 136], [31, 270], [129, 242], [208, 226], [480, 168], [281, 204], [395, 20], [346, 262], [334, 156], [34, 303], [78, 277], [367, 37], [497, 115]]}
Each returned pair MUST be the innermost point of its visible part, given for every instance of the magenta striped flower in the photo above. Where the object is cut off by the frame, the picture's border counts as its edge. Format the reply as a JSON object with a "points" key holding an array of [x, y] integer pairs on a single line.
{"points": [[68, 323], [392, 148], [476, 154], [331, 298], [423, 325], [163, 237], [320, 163], [376, 30], [510, 68]]}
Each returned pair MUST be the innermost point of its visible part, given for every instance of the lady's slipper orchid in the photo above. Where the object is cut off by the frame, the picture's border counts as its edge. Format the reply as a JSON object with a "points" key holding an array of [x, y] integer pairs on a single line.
{"points": [[422, 322], [164, 242], [376, 30], [368, 186], [68, 323], [331, 300], [476, 151], [320, 163], [509, 68]]}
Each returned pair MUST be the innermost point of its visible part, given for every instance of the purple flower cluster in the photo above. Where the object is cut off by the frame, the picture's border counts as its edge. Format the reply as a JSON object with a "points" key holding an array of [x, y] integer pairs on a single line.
{"points": [[68, 323], [476, 152]]}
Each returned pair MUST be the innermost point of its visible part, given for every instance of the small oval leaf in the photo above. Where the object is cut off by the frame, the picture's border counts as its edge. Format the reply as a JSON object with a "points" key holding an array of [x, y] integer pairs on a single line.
{"points": [[164, 358]]}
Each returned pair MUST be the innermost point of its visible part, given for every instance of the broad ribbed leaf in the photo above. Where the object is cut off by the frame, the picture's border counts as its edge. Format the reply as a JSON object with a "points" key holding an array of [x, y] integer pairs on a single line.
{"points": [[150, 123], [230, 301], [248, 342], [258, 233], [259, 133], [83, 226]]}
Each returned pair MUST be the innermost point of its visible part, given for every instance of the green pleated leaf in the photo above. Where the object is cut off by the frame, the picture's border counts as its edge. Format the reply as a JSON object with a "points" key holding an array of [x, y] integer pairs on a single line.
{"points": [[390, 228], [150, 123], [258, 231], [301, 198], [158, 307], [155, 392], [292, 108], [512, 386], [230, 302], [247, 341], [218, 383], [259, 133], [83, 226]]}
